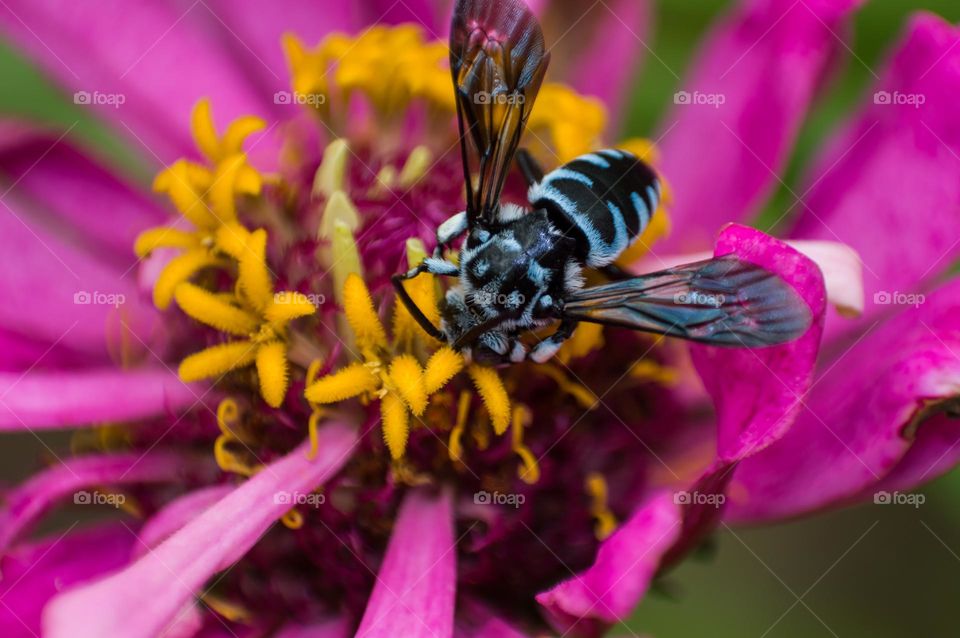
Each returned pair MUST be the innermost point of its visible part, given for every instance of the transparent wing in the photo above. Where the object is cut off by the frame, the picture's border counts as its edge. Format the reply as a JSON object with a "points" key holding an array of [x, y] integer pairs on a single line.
{"points": [[498, 61], [721, 301]]}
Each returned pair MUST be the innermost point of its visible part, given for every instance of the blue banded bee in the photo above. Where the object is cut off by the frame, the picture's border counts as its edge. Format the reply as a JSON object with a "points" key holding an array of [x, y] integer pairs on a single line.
{"points": [[522, 269]]}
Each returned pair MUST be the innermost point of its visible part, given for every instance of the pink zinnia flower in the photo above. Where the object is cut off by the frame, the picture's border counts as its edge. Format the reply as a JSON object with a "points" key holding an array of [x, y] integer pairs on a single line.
{"points": [[237, 372]]}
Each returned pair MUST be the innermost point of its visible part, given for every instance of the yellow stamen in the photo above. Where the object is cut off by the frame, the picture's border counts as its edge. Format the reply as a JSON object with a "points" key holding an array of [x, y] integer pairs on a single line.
{"points": [[254, 276], [587, 338], [178, 270], [228, 412], [217, 360], [345, 257], [649, 370], [204, 131], [456, 434], [396, 424], [292, 519], [313, 424], [530, 471], [416, 166], [583, 395], [360, 312], [212, 310], [273, 372], [596, 487], [232, 239], [346, 383], [407, 377], [329, 178], [441, 367], [230, 462], [184, 183], [228, 609], [573, 122], [494, 395], [164, 237], [287, 306]]}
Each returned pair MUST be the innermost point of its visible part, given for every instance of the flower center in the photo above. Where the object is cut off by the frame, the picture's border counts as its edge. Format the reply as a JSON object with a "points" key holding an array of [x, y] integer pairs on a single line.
{"points": [[277, 269]]}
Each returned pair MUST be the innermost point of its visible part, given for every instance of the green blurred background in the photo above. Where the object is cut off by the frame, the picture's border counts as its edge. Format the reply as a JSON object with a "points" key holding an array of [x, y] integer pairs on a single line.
{"points": [[878, 571]]}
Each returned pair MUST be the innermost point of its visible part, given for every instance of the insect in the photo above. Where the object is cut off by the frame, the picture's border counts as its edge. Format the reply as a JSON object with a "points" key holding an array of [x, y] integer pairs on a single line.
{"points": [[522, 269]]}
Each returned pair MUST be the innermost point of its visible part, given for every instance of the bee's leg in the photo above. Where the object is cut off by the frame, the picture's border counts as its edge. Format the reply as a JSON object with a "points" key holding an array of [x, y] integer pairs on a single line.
{"points": [[545, 350], [614, 272], [412, 306], [449, 231], [532, 172], [434, 266]]}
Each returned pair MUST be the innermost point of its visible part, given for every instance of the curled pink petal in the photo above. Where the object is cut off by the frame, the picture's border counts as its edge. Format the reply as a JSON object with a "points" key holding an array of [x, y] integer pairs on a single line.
{"points": [[608, 591], [861, 418], [35, 572], [160, 583], [415, 589], [741, 108], [756, 406], [175, 515], [889, 185], [25, 504], [44, 400], [141, 65]]}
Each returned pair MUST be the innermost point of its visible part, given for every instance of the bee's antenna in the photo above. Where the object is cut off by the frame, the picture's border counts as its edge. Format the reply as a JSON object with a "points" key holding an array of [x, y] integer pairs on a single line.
{"points": [[414, 309]]}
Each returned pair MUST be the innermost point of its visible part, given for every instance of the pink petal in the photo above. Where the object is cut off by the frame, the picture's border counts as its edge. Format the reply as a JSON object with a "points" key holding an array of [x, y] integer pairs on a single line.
{"points": [[34, 573], [175, 514], [889, 185], [333, 628], [434, 21], [156, 55], [858, 424], [42, 400], [159, 584], [416, 586], [60, 294], [78, 199], [24, 505], [756, 406], [626, 563], [253, 29], [619, 33], [764, 63]]}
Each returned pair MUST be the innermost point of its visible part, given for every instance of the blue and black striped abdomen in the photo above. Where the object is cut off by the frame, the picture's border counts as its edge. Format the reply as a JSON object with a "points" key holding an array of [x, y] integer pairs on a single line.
{"points": [[604, 200]]}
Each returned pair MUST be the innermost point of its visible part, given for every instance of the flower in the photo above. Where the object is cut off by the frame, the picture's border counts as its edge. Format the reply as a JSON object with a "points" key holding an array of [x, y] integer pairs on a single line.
{"points": [[239, 373]]}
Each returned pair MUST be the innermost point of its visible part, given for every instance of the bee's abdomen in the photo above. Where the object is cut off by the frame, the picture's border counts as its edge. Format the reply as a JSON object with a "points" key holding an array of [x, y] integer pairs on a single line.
{"points": [[604, 200]]}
